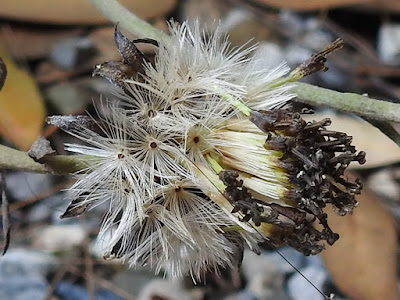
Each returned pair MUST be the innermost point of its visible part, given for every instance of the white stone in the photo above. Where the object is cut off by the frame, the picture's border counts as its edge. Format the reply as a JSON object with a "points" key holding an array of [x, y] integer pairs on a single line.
{"points": [[265, 279], [60, 237], [389, 43], [163, 289], [26, 263]]}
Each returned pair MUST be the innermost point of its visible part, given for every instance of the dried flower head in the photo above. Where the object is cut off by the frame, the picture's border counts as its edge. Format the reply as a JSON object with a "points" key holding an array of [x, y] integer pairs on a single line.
{"points": [[196, 160]]}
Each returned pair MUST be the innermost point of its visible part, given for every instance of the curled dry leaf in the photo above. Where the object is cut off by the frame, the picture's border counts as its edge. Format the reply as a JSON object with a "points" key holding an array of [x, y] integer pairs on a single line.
{"points": [[40, 41], [363, 261]]}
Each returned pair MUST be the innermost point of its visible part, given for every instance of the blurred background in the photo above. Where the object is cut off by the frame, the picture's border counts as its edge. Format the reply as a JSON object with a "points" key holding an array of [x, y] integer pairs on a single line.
{"points": [[50, 48]]}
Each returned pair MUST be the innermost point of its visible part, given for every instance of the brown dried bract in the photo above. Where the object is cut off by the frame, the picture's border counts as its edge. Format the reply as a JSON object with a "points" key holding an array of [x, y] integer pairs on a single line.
{"points": [[278, 120], [75, 208], [132, 64], [317, 61]]}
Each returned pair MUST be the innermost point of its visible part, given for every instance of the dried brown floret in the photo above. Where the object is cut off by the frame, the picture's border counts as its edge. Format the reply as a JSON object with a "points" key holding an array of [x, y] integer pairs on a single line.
{"points": [[291, 225], [315, 159]]}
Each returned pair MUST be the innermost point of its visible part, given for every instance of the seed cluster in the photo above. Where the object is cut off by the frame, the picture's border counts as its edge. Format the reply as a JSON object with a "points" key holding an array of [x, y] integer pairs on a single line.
{"points": [[188, 177], [316, 159]]}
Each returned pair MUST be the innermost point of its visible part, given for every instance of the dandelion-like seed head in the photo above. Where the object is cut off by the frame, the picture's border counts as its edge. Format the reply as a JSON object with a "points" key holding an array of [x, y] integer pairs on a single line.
{"points": [[196, 160]]}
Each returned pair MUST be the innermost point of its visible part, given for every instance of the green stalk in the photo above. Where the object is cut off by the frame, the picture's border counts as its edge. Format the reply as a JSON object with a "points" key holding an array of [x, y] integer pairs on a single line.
{"points": [[238, 104], [118, 14], [214, 164], [349, 102], [12, 159]]}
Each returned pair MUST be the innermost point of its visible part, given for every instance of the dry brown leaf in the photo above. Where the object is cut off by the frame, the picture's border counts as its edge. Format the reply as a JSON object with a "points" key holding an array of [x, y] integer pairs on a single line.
{"points": [[77, 11], [385, 5], [39, 41], [326, 4], [363, 261], [103, 40], [48, 73], [311, 4], [380, 149], [21, 106]]}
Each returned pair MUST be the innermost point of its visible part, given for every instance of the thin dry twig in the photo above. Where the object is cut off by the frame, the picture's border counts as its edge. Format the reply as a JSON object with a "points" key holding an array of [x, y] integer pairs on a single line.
{"points": [[40, 196], [113, 288], [5, 213], [89, 271], [105, 284], [57, 278]]}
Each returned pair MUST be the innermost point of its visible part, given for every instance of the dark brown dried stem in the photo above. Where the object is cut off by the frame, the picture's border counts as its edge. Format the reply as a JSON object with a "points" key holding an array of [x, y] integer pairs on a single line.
{"points": [[3, 73]]}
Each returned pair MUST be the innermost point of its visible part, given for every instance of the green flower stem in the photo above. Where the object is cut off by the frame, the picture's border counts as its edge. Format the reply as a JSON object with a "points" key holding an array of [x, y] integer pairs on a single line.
{"points": [[353, 103], [60, 164], [214, 164], [118, 14], [238, 104]]}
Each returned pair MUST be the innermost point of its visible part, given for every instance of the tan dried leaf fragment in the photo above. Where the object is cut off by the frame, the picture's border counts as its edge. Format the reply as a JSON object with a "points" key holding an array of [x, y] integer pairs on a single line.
{"points": [[363, 261]]}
